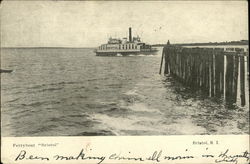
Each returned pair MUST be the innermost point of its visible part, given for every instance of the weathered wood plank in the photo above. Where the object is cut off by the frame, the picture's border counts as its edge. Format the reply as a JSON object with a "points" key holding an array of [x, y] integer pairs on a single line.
{"points": [[242, 81], [212, 71]]}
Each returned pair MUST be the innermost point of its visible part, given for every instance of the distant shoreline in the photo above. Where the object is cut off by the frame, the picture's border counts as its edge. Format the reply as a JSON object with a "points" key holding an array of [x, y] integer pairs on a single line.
{"points": [[231, 43], [47, 47]]}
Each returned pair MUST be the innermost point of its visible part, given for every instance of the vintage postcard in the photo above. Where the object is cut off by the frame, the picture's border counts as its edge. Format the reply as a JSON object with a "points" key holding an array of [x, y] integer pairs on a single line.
{"points": [[124, 82]]}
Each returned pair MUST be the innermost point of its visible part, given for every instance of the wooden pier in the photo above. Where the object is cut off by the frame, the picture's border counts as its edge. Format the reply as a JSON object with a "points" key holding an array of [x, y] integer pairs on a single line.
{"points": [[220, 73]]}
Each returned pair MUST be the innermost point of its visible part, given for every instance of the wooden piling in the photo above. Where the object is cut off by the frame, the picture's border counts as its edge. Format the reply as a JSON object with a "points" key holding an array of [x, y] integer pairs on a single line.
{"points": [[222, 73], [229, 79], [213, 71], [235, 78], [242, 81], [162, 56], [217, 75]]}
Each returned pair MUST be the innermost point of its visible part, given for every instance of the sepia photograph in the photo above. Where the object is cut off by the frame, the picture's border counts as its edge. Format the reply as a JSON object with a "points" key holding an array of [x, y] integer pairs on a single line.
{"points": [[124, 68], [121, 82]]}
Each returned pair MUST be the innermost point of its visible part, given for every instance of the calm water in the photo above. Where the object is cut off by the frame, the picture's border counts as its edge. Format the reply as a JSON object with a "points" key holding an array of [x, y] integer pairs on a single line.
{"points": [[73, 92]]}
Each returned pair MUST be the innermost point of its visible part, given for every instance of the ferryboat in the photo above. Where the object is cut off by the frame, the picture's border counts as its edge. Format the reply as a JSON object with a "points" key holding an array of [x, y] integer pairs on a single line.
{"points": [[124, 47]]}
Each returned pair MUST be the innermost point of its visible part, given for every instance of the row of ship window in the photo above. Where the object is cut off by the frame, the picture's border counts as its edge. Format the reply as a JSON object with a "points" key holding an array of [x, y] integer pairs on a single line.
{"points": [[123, 46]]}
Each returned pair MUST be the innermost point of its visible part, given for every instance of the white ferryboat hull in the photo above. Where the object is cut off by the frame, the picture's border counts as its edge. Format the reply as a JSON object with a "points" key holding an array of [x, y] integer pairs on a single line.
{"points": [[125, 53]]}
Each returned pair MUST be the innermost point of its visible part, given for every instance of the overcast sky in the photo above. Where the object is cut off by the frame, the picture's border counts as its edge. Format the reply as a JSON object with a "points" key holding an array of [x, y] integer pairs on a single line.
{"points": [[89, 24]]}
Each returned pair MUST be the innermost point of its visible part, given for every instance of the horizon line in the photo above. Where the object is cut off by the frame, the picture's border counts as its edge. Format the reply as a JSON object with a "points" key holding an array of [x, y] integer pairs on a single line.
{"points": [[97, 46], [43, 47]]}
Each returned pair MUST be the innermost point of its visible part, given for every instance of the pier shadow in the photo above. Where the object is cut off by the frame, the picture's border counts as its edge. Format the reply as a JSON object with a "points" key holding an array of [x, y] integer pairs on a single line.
{"points": [[212, 113]]}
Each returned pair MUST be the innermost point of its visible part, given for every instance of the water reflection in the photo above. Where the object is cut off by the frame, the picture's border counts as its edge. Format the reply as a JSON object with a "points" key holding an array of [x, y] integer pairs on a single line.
{"points": [[213, 114]]}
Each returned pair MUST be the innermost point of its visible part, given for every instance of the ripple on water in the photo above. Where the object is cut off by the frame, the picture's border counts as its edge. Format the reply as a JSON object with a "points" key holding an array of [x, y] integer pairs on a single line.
{"points": [[73, 92]]}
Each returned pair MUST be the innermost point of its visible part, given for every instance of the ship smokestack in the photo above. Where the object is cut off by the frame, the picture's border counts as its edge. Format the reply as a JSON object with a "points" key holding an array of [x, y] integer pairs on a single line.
{"points": [[130, 34]]}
